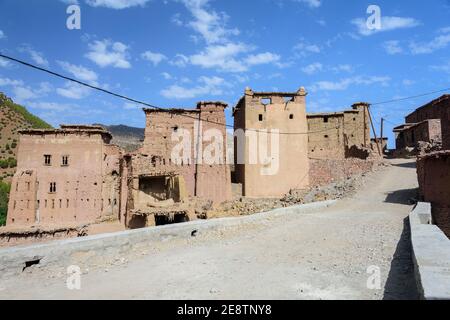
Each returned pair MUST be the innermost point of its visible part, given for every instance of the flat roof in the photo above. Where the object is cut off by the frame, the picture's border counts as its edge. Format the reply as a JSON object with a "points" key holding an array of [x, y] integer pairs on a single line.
{"points": [[331, 114], [68, 129], [182, 110]]}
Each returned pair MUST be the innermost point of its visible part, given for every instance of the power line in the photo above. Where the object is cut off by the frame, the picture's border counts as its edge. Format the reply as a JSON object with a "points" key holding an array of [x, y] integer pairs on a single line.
{"points": [[185, 115], [410, 97], [134, 100]]}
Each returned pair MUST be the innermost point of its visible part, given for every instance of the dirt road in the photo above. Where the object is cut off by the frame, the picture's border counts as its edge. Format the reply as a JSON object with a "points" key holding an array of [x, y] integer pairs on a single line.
{"points": [[318, 255]]}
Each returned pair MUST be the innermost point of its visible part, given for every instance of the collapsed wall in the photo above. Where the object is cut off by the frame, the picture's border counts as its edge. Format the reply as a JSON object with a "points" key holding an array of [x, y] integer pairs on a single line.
{"points": [[161, 173]]}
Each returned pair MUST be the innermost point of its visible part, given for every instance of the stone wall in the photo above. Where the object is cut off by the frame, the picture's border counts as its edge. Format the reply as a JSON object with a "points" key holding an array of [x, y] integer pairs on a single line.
{"points": [[326, 171]]}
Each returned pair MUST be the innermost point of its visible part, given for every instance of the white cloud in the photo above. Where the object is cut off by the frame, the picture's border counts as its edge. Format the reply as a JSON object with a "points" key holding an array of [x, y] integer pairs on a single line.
{"points": [[392, 47], [212, 86], [343, 84], [312, 68], [304, 48], [116, 4], [437, 43], [131, 106], [222, 57], [343, 68], [443, 68], [387, 24], [180, 60], [444, 30], [24, 93], [177, 20], [153, 57], [262, 58], [49, 106], [10, 82], [167, 76], [73, 90], [80, 72], [36, 56], [208, 23], [2, 34], [408, 82], [311, 3], [106, 53], [4, 63]]}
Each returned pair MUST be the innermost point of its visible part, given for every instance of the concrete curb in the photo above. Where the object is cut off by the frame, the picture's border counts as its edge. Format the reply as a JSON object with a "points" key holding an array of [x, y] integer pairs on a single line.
{"points": [[60, 253], [431, 255]]}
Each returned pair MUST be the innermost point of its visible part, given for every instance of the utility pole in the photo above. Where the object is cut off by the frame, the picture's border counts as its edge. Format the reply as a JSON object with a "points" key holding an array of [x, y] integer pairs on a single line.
{"points": [[374, 132], [381, 133]]}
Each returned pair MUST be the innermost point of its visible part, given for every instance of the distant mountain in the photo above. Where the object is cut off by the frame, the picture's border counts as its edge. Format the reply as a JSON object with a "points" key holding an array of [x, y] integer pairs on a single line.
{"points": [[128, 138], [13, 117]]}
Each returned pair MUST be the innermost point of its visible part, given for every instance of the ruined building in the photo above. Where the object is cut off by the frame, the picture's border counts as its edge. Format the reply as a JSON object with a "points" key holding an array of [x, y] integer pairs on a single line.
{"points": [[155, 176], [338, 134], [65, 175], [259, 111], [429, 123]]}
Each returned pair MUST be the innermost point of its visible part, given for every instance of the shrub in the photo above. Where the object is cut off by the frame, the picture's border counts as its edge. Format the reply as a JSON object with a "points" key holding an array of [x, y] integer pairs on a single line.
{"points": [[4, 164], [4, 196]]}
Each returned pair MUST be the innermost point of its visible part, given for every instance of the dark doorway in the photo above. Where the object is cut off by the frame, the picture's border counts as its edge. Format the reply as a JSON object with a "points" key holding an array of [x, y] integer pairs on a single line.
{"points": [[156, 187]]}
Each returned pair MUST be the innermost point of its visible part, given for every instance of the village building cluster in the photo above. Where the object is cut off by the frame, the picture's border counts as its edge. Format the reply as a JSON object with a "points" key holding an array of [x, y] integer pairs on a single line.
{"points": [[75, 174]]}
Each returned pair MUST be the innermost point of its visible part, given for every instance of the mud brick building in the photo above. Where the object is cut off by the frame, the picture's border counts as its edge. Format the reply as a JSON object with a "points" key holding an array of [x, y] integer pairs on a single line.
{"points": [[429, 123], [333, 135], [154, 176], [258, 111], [408, 135], [433, 172], [65, 175]]}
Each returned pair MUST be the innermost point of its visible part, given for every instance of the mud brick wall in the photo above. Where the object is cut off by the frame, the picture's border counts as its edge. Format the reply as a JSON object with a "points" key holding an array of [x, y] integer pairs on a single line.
{"points": [[322, 172], [433, 171]]}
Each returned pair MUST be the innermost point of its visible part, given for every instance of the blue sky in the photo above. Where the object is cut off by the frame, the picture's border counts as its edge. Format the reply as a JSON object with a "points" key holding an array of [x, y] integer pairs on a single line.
{"points": [[173, 53]]}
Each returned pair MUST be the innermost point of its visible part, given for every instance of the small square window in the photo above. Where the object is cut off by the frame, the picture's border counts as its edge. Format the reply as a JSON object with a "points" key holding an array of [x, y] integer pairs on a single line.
{"points": [[47, 160], [52, 187], [260, 117], [291, 116], [266, 101], [65, 160]]}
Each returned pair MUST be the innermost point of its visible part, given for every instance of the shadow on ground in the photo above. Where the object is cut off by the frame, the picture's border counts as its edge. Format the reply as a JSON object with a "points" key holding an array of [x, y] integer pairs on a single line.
{"points": [[401, 284], [405, 196], [411, 165]]}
